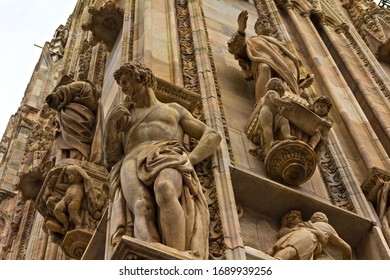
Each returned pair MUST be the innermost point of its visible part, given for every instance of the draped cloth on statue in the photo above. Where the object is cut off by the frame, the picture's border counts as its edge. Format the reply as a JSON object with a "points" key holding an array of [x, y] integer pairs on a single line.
{"points": [[268, 50], [302, 239], [150, 162], [80, 120]]}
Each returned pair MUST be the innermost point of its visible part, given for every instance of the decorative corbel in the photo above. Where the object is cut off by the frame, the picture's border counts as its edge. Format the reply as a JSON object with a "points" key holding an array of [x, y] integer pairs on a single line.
{"points": [[105, 24]]}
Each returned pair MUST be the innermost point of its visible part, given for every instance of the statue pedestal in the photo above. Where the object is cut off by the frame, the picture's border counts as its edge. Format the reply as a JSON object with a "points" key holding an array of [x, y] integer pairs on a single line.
{"points": [[75, 242], [130, 248], [291, 161]]}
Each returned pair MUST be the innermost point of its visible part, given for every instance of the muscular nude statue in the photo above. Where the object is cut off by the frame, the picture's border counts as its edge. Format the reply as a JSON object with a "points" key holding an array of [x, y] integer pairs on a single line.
{"points": [[152, 174]]}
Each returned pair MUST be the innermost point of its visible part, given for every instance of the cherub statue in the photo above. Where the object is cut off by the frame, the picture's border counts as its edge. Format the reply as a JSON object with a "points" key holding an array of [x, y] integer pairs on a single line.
{"points": [[321, 106], [72, 193]]}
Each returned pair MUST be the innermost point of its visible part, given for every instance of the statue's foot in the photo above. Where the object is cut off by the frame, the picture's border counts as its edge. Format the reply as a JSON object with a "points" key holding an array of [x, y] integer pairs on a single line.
{"points": [[273, 143], [306, 82], [55, 227]]}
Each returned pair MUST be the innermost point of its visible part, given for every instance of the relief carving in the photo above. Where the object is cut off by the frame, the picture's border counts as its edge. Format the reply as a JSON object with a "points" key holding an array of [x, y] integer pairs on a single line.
{"points": [[72, 200], [191, 81], [299, 240], [144, 148], [37, 154], [187, 49], [84, 61]]}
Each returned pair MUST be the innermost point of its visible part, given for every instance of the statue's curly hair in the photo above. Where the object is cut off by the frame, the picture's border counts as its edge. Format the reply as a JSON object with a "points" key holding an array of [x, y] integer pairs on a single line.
{"points": [[290, 216], [323, 99], [319, 217], [138, 71], [273, 82]]}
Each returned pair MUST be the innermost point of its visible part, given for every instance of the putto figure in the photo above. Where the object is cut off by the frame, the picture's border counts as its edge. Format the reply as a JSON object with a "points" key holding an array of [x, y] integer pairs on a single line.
{"points": [[270, 118], [155, 193]]}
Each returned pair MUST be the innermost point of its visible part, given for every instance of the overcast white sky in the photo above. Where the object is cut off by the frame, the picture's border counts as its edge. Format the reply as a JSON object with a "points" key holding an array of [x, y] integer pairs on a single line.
{"points": [[22, 24]]}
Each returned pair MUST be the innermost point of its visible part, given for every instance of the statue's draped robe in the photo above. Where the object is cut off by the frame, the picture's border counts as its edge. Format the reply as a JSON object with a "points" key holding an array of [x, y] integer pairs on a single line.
{"points": [[270, 51], [80, 120], [153, 159], [302, 239]]}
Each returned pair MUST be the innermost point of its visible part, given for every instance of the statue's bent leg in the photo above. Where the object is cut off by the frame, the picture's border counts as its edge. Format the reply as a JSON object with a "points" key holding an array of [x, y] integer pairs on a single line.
{"points": [[59, 212], [287, 253], [168, 187], [266, 122], [74, 209]]}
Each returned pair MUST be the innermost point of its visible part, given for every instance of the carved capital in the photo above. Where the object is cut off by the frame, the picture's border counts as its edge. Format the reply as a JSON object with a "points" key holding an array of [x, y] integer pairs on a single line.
{"points": [[305, 14], [286, 4]]}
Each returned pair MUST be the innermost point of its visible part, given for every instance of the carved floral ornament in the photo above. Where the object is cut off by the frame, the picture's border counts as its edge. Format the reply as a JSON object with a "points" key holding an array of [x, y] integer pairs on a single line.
{"points": [[105, 24]]}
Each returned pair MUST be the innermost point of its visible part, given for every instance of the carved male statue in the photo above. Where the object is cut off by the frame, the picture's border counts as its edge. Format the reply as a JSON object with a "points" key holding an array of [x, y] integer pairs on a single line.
{"points": [[262, 57], [77, 106], [152, 175]]}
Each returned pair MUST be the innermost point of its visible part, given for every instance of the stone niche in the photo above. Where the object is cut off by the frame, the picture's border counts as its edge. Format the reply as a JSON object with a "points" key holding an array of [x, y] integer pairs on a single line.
{"points": [[263, 202]]}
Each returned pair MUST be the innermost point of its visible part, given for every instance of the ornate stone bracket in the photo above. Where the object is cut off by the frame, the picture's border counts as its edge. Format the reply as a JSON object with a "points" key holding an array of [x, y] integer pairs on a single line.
{"points": [[291, 161], [105, 24]]}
